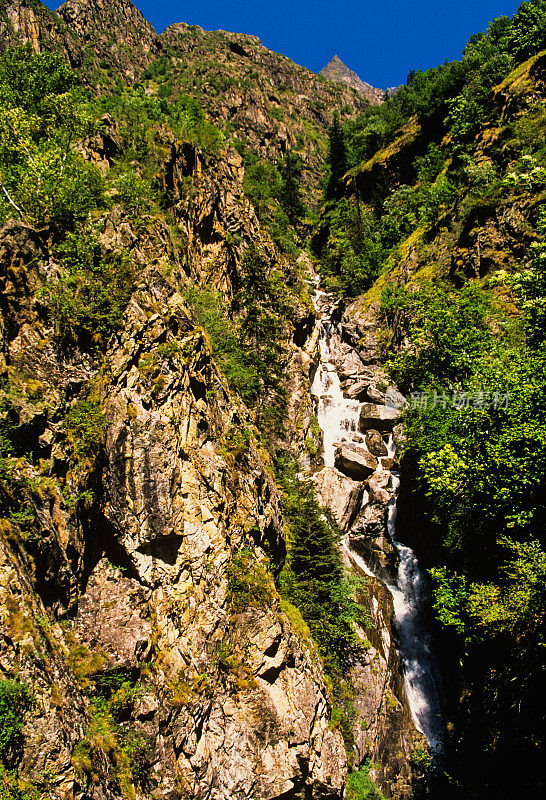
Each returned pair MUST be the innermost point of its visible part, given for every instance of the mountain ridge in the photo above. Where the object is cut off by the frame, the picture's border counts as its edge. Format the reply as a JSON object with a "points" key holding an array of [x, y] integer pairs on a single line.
{"points": [[339, 72]]}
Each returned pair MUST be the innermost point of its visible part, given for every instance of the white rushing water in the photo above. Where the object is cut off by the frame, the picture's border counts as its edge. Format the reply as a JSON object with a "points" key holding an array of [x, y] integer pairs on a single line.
{"points": [[338, 419]]}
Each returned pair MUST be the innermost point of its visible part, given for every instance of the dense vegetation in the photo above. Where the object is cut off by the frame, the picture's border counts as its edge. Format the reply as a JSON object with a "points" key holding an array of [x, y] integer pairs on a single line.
{"points": [[455, 100], [475, 470], [467, 346]]}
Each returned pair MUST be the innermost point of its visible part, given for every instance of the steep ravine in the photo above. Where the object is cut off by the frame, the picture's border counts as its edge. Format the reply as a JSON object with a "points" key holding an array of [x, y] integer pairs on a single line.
{"points": [[139, 495], [358, 480], [120, 573]]}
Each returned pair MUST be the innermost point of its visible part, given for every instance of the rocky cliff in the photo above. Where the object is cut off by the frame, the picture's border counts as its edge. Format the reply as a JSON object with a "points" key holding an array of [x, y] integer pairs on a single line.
{"points": [[119, 572], [269, 103], [144, 631]]}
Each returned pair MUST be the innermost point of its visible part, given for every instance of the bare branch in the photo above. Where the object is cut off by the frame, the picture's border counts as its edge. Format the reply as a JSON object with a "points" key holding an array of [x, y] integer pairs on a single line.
{"points": [[12, 203]]}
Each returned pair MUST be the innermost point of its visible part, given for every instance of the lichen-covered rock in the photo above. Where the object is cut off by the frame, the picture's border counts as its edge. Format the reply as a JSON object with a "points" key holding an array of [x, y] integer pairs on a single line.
{"points": [[131, 542], [375, 443], [340, 494]]}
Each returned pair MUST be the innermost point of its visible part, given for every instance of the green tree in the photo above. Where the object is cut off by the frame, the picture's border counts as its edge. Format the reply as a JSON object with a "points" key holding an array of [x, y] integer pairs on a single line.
{"points": [[337, 160], [15, 699], [43, 179], [290, 194]]}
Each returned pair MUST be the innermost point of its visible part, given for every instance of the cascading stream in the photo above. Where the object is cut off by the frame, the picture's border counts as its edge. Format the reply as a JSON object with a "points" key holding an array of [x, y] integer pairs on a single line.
{"points": [[338, 419]]}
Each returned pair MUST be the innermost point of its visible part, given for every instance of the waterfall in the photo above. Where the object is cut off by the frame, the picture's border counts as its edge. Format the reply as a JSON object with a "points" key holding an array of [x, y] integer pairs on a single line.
{"points": [[338, 419]]}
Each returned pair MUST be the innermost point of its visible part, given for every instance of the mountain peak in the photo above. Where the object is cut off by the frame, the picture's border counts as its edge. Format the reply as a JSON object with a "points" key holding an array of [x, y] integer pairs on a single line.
{"points": [[339, 72]]}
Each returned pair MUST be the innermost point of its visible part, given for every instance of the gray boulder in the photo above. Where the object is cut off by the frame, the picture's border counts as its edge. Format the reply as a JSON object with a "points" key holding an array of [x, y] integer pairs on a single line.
{"points": [[379, 418], [354, 461]]}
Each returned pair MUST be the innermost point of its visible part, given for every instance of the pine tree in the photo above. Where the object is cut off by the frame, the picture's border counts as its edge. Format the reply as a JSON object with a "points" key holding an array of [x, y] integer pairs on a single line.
{"points": [[314, 578], [337, 160]]}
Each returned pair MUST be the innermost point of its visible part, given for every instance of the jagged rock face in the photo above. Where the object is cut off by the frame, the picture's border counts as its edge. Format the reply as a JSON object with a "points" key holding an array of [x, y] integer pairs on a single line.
{"points": [[336, 71], [341, 495], [23, 22], [132, 544], [231, 702], [375, 443], [116, 30], [268, 101]]}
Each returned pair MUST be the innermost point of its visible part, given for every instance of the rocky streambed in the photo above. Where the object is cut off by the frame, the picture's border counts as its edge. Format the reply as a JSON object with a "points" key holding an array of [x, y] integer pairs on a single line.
{"points": [[397, 678]]}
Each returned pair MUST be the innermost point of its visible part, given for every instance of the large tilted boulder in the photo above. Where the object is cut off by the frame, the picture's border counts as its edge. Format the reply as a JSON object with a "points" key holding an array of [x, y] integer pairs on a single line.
{"points": [[355, 461], [358, 390], [376, 417]]}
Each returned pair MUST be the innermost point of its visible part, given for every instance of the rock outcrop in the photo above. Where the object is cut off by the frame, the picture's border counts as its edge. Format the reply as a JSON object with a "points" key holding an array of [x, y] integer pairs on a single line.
{"points": [[129, 541], [336, 71], [136, 492]]}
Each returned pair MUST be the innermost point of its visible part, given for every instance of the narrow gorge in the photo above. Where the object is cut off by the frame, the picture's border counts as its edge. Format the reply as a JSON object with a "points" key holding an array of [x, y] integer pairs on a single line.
{"points": [[360, 425], [272, 416]]}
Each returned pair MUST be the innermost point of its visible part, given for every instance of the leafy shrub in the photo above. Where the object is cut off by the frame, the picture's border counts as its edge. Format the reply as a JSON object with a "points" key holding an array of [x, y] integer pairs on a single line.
{"points": [[15, 699], [187, 119], [247, 344], [447, 331], [12, 788], [249, 583], [135, 194], [429, 165], [436, 199], [527, 33], [85, 425], [44, 180], [89, 297], [236, 363]]}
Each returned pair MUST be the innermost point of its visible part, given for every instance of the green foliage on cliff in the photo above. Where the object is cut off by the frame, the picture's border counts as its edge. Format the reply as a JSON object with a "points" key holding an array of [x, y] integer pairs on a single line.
{"points": [[355, 241], [245, 336], [43, 179], [361, 787], [15, 699], [275, 194], [91, 293], [448, 330], [249, 583]]}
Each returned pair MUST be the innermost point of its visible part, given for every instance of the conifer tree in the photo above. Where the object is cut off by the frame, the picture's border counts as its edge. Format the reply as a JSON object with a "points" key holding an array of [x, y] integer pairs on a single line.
{"points": [[314, 578], [337, 160], [290, 197]]}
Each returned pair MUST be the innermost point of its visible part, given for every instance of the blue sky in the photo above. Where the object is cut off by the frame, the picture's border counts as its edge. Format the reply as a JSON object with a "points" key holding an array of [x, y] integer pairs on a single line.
{"points": [[379, 40]]}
